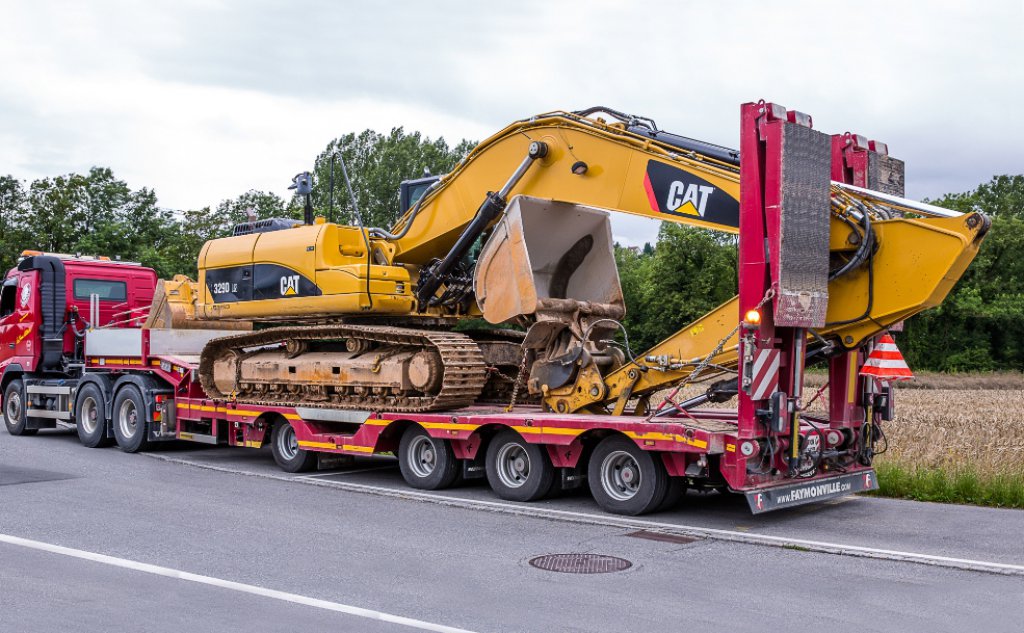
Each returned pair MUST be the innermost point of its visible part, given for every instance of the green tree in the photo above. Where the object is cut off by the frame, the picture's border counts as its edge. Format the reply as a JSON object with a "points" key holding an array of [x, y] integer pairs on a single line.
{"points": [[13, 228], [689, 272], [377, 164], [979, 326]]}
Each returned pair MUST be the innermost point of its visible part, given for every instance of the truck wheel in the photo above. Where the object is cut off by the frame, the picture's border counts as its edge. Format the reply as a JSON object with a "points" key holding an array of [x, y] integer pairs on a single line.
{"points": [[676, 491], [285, 447], [518, 470], [90, 418], [131, 429], [625, 479], [14, 409], [427, 463]]}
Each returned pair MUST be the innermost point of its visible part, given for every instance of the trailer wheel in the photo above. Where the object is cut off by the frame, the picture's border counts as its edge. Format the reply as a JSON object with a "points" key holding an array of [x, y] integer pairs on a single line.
{"points": [[131, 429], [518, 470], [15, 418], [90, 418], [676, 491], [625, 479], [427, 463], [285, 447]]}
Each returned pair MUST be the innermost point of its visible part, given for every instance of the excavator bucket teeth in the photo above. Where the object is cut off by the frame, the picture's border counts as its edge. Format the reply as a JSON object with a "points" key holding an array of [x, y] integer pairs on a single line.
{"points": [[545, 255]]}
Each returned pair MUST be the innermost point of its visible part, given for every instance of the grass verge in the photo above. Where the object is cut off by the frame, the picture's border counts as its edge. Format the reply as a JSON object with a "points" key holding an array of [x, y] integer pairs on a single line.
{"points": [[961, 486]]}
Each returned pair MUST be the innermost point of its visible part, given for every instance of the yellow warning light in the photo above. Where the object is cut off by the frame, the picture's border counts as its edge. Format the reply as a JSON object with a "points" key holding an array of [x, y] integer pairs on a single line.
{"points": [[753, 317], [27, 253]]}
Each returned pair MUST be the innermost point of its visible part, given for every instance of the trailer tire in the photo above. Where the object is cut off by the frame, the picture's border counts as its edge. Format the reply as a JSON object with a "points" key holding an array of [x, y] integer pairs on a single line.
{"points": [[90, 417], [518, 470], [131, 427], [676, 491], [427, 463], [285, 447], [626, 479], [15, 418]]}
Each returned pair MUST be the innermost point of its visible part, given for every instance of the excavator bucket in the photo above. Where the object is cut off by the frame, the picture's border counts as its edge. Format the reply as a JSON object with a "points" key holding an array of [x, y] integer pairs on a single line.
{"points": [[548, 256]]}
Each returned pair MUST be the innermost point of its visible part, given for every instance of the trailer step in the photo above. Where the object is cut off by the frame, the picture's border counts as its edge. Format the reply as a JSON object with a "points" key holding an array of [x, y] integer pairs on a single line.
{"points": [[198, 437]]}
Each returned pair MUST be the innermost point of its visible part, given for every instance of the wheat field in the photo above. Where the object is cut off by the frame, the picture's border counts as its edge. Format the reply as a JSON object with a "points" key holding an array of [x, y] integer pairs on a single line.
{"points": [[950, 422], [981, 430]]}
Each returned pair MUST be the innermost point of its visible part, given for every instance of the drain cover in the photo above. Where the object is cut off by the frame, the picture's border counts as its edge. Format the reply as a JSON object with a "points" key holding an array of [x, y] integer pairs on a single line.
{"points": [[580, 563]]}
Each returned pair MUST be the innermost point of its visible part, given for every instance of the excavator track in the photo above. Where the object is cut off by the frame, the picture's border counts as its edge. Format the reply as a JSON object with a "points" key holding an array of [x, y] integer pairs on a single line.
{"points": [[464, 370]]}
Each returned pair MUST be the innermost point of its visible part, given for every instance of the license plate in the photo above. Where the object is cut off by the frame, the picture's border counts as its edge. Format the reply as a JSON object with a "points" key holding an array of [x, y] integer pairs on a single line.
{"points": [[790, 495]]}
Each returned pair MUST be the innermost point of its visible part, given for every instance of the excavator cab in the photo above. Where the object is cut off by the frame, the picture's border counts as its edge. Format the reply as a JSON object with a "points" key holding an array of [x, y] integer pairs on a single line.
{"points": [[410, 191]]}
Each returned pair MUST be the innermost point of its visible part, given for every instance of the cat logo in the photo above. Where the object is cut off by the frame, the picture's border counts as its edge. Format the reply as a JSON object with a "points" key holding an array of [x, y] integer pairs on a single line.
{"points": [[289, 285], [688, 199], [675, 191]]}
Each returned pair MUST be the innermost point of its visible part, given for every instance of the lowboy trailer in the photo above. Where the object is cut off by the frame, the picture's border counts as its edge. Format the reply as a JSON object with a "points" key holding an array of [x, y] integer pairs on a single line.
{"points": [[120, 382]]}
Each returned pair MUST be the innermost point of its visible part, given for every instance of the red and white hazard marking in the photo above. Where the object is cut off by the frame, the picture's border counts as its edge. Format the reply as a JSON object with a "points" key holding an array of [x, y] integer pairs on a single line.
{"points": [[765, 374], [886, 362]]}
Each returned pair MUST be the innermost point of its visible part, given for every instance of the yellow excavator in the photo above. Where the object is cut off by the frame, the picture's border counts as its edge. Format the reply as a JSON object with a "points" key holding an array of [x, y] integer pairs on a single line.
{"points": [[518, 234]]}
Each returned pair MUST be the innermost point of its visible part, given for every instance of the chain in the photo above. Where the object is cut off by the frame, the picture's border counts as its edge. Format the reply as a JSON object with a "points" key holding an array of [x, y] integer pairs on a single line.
{"points": [[702, 365], [518, 382]]}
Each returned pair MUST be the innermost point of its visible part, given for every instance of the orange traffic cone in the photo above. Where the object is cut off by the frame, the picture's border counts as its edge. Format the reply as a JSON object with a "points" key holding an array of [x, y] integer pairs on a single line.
{"points": [[886, 362]]}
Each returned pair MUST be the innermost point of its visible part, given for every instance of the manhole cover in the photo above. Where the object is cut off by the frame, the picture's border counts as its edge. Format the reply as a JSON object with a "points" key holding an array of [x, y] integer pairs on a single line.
{"points": [[580, 563]]}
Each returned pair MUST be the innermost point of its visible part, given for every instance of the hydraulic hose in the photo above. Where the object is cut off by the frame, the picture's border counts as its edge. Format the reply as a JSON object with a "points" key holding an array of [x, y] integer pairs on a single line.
{"points": [[386, 235]]}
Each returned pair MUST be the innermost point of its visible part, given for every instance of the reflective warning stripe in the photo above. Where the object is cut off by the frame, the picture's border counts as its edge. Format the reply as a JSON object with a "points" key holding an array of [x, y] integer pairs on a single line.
{"points": [[765, 374]]}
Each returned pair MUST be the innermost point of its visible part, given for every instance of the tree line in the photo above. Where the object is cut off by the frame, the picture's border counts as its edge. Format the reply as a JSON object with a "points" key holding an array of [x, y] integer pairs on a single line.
{"points": [[685, 274]]}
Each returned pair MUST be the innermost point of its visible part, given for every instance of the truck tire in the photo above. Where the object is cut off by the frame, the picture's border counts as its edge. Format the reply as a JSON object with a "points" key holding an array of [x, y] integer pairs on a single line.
{"points": [[91, 418], [518, 470], [675, 494], [285, 447], [426, 462], [131, 428], [15, 418], [626, 479]]}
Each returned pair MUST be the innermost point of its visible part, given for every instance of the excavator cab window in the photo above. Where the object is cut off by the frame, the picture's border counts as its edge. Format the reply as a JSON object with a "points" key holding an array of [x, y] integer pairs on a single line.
{"points": [[410, 191]]}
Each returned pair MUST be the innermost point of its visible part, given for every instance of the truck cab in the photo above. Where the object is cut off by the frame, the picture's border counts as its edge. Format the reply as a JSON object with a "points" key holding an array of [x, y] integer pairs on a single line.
{"points": [[47, 302]]}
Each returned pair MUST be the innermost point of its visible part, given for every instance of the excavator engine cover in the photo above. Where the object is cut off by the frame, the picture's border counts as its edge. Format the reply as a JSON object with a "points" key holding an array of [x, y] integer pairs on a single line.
{"points": [[548, 256]]}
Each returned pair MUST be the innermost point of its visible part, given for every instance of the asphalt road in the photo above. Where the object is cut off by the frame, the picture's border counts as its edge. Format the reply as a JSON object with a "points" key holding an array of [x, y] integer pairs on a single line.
{"points": [[162, 545]]}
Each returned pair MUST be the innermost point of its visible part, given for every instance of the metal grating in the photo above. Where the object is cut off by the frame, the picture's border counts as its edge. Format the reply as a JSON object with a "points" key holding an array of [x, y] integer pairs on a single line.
{"points": [[885, 174], [662, 537], [580, 563], [802, 297]]}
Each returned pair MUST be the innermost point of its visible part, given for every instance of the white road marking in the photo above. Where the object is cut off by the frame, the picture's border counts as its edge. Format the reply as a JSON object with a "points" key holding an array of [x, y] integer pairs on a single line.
{"points": [[284, 596], [612, 520]]}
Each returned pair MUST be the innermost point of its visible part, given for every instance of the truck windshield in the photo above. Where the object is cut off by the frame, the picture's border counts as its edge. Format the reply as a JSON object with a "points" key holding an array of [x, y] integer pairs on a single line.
{"points": [[105, 289], [7, 295]]}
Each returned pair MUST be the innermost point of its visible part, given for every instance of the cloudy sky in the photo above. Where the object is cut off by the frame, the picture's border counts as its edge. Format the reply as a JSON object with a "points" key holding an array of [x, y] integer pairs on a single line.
{"points": [[203, 100]]}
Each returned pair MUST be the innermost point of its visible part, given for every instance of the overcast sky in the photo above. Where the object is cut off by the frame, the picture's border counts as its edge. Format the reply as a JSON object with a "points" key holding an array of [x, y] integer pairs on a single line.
{"points": [[203, 100]]}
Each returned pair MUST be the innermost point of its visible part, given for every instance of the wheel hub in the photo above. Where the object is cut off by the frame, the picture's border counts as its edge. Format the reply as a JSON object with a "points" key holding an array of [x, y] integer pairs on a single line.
{"points": [[620, 476], [423, 457]]}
